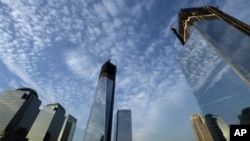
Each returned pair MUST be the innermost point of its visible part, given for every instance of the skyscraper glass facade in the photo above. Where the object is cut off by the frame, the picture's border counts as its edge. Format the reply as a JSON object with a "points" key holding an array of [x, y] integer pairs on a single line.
{"points": [[230, 43], [218, 88], [99, 125], [123, 126], [215, 60], [18, 110], [48, 123]]}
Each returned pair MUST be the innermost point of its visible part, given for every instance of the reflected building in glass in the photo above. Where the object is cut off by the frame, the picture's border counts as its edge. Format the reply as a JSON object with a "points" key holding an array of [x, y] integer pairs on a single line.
{"points": [[18, 111], [123, 126], [68, 129], [217, 127], [48, 123], [215, 61], [99, 126]]}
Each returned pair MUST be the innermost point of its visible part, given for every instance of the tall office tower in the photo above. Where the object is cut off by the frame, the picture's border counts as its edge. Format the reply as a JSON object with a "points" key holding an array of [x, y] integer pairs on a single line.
{"points": [[200, 128], [214, 60], [99, 126], [123, 126], [217, 127], [68, 129], [18, 110], [48, 123]]}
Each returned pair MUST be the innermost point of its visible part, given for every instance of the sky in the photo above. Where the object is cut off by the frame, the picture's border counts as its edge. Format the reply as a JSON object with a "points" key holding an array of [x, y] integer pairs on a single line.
{"points": [[57, 48]]}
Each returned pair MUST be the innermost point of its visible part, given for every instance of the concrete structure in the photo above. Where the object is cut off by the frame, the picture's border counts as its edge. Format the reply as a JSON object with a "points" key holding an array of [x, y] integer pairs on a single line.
{"points": [[48, 123], [18, 110], [68, 129]]}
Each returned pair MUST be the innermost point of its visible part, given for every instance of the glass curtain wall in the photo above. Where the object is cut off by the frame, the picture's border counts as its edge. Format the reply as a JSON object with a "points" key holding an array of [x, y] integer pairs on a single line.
{"points": [[218, 88]]}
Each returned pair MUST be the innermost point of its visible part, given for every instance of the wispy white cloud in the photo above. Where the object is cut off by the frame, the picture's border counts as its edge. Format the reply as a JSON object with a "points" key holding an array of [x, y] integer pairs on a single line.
{"points": [[159, 109], [198, 61], [82, 65], [57, 48], [233, 8], [111, 7]]}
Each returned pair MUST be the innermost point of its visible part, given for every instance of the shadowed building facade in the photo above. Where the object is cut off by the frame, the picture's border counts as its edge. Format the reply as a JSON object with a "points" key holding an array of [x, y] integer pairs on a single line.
{"points": [[68, 129], [245, 116], [123, 126], [215, 61], [18, 111], [48, 123], [217, 127], [99, 126]]}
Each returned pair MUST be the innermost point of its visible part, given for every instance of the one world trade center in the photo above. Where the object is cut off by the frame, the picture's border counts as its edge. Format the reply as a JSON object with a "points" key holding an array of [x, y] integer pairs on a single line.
{"points": [[99, 126]]}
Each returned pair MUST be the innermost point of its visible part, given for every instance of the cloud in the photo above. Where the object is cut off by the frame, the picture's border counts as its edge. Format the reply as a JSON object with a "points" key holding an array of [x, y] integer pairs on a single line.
{"points": [[111, 7], [233, 8], [198, 61], [159, 113], [58, 48], [81, 65], [101, 10]]}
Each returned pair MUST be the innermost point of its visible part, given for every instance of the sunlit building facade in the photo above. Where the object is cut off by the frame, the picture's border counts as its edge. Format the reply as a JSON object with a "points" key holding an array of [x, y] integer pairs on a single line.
{"points": [[18, 110], [99, 126], [214, 61], [48, 123], [209, 128], [68, 129], [200, 128], [123, 126]]}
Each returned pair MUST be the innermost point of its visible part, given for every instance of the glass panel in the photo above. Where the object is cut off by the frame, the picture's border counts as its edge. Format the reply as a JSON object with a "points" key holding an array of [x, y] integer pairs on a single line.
{"points": [[217, 87], [124, 129], [232, 44], [96, 123], [100, 120], [109, 99]]}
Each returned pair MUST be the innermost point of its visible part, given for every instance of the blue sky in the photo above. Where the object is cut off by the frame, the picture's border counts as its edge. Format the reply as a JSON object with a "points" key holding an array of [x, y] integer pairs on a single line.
{"points": [[58, 47]]}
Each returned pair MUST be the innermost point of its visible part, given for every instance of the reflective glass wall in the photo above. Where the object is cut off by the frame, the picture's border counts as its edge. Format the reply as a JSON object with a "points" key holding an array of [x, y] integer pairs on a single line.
{"points": [[218, 88], [232, 44], [123, 129], [99, 125]]}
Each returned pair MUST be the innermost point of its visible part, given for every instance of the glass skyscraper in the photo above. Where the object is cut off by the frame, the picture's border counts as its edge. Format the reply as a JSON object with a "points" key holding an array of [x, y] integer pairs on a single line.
{"points": [[99, 126], [48, 123], [123, 126], [215, 61], [68, 129], [18, 110]]}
